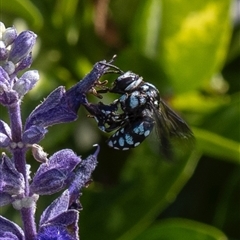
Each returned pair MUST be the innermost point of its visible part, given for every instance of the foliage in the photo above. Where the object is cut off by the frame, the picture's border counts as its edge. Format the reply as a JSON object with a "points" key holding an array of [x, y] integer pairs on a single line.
{"points": [[188, 49]]}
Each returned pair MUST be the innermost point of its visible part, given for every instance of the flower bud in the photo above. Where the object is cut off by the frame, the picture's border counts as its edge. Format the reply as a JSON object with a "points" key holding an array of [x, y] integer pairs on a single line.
{"points": [[34, 134], [9, 67], [2, 29], [9, 36], [26, 82], [39, 154], [22, 46]]}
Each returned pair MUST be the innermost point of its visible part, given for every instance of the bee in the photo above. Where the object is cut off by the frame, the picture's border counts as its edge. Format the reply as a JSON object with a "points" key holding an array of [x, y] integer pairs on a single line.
{"points": [[136, 112]]}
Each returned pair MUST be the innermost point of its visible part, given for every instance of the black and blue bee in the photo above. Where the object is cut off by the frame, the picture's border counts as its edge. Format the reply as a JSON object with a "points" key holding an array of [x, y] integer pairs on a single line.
{"points": [[135, 113]]}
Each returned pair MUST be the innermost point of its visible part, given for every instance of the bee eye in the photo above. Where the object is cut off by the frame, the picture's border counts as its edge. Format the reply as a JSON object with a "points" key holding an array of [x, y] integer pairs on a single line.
{"points": [[127, 82]]}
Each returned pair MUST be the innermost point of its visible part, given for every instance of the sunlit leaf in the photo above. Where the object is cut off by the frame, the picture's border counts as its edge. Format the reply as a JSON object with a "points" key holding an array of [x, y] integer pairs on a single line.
{"points": [[185, 37], [193, 44]]}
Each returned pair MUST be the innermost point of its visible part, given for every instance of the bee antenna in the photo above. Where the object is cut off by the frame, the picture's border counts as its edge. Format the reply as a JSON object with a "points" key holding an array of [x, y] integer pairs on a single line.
{"points": [[114, 69]]}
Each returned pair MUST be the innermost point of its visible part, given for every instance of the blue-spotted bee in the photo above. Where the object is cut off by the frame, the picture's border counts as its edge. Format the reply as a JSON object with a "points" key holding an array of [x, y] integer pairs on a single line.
{"points": [[136, 112]]}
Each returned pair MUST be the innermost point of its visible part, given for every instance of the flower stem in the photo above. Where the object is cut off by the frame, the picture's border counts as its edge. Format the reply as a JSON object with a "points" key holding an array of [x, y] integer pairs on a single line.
{"points": [[16, 122], [19, 156]]}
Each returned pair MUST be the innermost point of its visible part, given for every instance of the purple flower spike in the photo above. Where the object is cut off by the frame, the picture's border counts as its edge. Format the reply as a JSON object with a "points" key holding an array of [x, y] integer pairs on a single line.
{"points": [[64, 170], [11, 182], [53, 176], [22, 46]]}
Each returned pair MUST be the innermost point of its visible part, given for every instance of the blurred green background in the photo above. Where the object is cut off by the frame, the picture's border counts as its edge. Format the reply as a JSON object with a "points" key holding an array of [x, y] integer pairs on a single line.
{"points": [[191, 51]]}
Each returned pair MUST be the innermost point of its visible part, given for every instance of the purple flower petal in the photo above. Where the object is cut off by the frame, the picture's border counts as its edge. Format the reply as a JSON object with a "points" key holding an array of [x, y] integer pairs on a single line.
{"points": [[4, 81], [77, 94], [49, 182], [11, 182], [58, 221], [82, 176], [4, 128], [4, 140], [25, 63], [53, 110], [34, 134], [10, 227], [64, 160], [57, 232], [56, 173], [3, 54], [58, 206], [5, 199], [62, 106], [8, 98]]}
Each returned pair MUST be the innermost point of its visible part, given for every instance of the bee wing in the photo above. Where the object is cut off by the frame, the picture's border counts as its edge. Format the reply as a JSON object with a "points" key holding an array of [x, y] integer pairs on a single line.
{"points": [[170, 126], [174, 124]]}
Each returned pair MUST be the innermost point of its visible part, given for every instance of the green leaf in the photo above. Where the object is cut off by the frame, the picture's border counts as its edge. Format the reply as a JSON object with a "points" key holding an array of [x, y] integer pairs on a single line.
{"points": [[146, 28], [185, 37], [148, 186], [194, 45], [25, 9], [224, 120], [181, 229], [215, 145], [227, 210]]}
